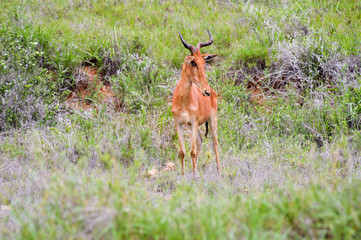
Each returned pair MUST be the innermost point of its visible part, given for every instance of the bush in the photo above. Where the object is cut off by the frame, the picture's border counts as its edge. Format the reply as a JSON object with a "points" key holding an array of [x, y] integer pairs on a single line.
{"points": [[136, 80], [27, 93]]}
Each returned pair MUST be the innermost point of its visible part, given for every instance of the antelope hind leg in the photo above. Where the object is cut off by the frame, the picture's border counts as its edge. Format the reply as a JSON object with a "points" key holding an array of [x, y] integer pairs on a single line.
{"points": [[199, 144], [213, 127], [194, 150]]}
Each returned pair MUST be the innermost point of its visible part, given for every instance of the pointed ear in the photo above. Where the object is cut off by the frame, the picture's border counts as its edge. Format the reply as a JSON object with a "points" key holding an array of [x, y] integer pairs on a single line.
{"points": [[189, 59], [208, 57]]}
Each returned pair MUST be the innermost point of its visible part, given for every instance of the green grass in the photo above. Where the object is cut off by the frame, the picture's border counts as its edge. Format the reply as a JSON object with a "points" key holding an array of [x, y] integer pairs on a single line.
{"points": [[123, 211], [290, 166], [243, 31], [89, 178]]}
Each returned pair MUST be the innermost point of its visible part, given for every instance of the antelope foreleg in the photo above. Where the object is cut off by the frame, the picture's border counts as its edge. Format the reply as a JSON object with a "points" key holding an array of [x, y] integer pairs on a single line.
{"points": [[181, 144]]}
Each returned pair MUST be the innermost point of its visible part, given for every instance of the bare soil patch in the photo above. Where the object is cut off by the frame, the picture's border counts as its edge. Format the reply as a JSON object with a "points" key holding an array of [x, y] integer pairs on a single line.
{"points": [[91, 90]]}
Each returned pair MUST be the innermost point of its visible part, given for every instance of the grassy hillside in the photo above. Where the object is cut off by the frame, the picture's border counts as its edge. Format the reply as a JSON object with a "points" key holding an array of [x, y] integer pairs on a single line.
{"points": [[288, 79]]}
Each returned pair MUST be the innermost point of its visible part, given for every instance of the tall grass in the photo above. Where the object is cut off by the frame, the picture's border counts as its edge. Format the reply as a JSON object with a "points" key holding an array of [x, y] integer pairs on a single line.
{"points": [[89, 178]]}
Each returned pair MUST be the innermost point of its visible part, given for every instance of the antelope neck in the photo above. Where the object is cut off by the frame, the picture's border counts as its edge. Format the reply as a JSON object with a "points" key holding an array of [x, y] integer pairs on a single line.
{"points": [[185, 89]]}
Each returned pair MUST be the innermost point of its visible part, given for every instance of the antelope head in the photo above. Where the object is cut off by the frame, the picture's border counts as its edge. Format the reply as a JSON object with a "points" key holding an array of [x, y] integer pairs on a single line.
{"points": [[194, 64]]}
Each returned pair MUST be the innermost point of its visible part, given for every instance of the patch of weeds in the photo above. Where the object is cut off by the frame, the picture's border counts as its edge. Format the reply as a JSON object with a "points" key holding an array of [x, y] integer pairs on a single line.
{"points": [[349, 105], [27, 92], [136, 82]]}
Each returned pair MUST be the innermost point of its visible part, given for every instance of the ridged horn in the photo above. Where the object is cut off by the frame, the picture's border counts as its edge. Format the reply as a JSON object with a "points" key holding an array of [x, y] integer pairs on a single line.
{"points": [[188, 46], [205, 44]]}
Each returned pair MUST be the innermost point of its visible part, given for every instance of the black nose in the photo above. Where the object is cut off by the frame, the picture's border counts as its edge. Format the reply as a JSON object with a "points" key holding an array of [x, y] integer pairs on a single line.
{"points": [[207, 93]]}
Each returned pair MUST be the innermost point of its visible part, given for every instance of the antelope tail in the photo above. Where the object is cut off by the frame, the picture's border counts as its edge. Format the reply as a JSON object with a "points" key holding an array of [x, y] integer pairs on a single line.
{"points": [[205, 135]]}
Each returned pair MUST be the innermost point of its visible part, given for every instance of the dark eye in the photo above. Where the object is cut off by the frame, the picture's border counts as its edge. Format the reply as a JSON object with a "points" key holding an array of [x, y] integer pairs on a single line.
{"points": [[194, 63]]}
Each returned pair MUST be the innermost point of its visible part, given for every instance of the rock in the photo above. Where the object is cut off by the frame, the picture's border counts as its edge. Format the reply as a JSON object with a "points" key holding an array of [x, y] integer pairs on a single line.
{"points": [[152, 173], [169, 166], [5, 208]]}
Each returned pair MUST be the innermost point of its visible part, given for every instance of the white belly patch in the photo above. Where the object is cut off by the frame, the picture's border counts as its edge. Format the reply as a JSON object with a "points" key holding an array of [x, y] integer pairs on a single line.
{"points": [[184, 118]]}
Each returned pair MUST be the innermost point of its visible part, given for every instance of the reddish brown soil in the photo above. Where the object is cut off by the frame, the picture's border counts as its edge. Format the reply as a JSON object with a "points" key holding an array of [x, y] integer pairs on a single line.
{"points": [[257, 93], [257, 96], [91, 91]]}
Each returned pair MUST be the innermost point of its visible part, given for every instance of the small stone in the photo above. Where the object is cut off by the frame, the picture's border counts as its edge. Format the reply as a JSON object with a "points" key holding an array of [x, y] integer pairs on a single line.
{"points": [[170, 166], [152, 173], [5, 208]]}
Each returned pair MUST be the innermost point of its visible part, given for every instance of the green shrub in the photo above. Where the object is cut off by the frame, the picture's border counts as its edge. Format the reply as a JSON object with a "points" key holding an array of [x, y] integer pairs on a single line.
{"points": [[27, 92], [137, 81]]}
